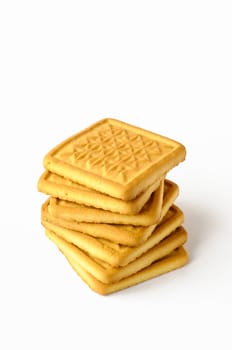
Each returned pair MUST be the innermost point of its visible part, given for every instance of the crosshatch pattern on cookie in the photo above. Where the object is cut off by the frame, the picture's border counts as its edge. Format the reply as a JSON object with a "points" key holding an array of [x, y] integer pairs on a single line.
{"points": [[114, 152]]}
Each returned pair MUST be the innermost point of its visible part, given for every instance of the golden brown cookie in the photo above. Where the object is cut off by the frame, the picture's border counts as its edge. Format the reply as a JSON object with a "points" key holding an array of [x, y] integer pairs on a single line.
{"points": [[149, 215], [104, 272], [116, 254], [115, 158], [59, 187], [122, 234], [176, 259]]}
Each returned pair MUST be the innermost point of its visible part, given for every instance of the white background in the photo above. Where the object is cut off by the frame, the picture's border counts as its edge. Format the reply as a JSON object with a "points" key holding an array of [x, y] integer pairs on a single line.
{"points": [[165, 66]]}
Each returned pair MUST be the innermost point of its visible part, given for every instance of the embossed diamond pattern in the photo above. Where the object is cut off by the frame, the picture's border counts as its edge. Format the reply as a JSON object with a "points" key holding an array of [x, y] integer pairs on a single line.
{"points": [[114, 153]]}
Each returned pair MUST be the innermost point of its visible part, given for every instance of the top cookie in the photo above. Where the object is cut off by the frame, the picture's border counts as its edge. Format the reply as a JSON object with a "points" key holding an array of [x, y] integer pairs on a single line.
{"points": [[115, 158]]}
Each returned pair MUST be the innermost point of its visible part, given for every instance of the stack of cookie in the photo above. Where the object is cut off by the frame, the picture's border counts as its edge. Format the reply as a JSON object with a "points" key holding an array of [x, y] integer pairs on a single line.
{"points": [[110, 210]]}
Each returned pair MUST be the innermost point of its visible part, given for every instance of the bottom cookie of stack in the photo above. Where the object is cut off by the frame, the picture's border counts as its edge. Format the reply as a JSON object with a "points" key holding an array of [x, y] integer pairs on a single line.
{"points": [[104, 279], [175, 260]]}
